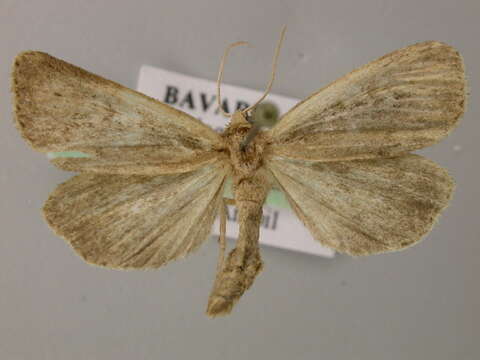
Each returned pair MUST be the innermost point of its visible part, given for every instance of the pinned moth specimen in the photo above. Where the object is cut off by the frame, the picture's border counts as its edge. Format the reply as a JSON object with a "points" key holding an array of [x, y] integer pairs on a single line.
{"points": [[152, 179]]}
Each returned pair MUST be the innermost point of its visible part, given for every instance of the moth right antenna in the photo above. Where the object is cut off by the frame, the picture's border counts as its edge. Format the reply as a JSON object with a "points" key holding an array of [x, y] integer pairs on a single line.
{"points": [[274, 70]]}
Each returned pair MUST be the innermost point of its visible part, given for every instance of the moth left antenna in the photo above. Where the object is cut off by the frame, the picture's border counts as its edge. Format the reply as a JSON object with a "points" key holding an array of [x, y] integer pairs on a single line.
{"points": [[220, 73]]}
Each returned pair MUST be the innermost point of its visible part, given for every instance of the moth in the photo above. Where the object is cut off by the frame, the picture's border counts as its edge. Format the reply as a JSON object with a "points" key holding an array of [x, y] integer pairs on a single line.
{"points": [[152, 179]]}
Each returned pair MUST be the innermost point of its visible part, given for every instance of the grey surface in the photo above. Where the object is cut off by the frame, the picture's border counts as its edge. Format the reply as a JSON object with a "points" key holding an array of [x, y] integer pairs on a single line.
{"points": [[422, 303]]}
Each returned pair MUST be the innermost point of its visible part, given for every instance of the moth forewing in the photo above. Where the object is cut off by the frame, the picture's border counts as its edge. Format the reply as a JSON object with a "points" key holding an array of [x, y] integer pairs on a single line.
{"points": [[404, 101], [61, 107]]}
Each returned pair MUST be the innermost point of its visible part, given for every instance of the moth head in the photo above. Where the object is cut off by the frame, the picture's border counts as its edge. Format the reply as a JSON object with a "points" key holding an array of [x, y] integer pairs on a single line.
{"points": [[239, 126], [240, 121], [251, 118]]}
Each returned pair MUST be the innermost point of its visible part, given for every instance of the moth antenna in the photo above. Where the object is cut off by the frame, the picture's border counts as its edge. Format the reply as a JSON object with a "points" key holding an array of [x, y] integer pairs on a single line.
{"points": [[220, 73], [274, 69]]}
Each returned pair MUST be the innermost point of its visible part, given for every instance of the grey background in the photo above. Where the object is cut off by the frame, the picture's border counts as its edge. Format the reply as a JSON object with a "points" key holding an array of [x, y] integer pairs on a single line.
{"points": [[422, 303]]}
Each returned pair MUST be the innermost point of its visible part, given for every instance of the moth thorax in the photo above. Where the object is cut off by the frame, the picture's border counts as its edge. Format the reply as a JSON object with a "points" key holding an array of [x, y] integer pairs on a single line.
{"points": [[246, 159]]}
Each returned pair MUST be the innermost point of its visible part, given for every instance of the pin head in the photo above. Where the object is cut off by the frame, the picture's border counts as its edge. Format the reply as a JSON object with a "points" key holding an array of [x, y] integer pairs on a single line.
{"points": [[265, 115]]}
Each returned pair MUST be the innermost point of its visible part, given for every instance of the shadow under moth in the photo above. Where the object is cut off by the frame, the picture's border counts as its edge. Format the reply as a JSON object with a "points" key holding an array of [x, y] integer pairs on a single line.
{"points": [[152, 179]]}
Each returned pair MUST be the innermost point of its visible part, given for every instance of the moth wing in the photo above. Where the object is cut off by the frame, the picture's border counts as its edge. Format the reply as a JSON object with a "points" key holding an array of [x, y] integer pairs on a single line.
{"points": [[406, 100], [62, 108], [364, 207], [136, 221]]}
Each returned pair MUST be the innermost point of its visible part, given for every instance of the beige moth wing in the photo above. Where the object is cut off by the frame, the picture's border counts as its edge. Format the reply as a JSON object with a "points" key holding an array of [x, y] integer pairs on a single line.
{"points": [[403, 101], [153, 176], [341, 154], [136, 221], [362, 207], [60, 107]]}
